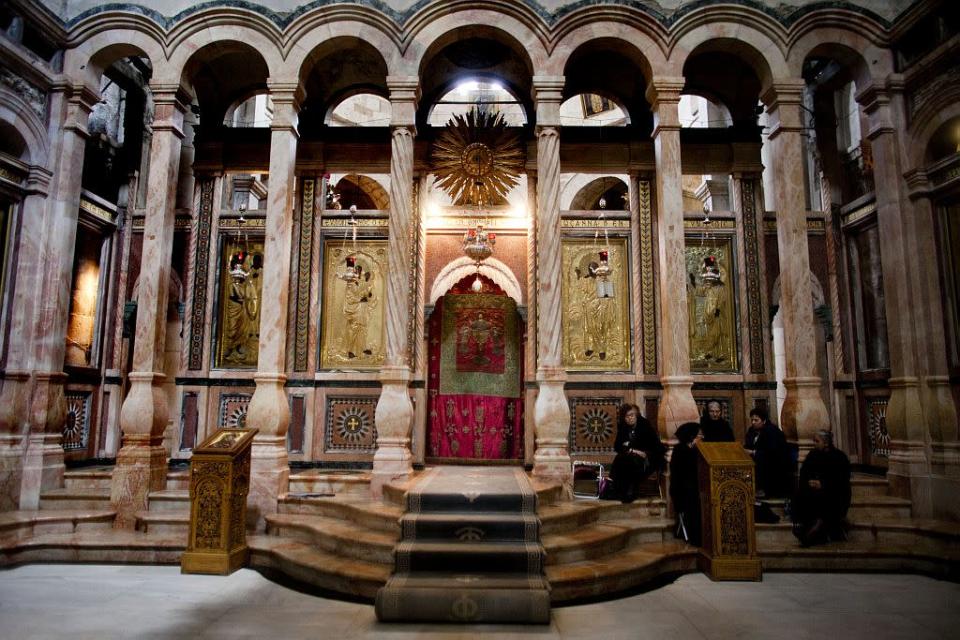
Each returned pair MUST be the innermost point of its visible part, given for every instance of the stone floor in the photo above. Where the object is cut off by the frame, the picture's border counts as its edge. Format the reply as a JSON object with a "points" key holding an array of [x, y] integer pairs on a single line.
{"points": [[109, 601]]}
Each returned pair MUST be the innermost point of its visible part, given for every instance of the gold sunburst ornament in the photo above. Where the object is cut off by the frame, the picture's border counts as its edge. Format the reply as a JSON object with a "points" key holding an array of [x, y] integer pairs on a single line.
{"points": [[477, 159]]}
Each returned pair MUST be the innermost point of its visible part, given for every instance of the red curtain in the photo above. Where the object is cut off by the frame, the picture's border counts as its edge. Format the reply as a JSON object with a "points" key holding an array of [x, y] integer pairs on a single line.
{"points": [[477, 344]]}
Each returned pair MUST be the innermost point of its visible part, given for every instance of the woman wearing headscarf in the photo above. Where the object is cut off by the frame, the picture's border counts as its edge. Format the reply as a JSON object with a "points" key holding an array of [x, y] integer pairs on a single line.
{"points": [[639, 452], [823, 497], [714, 427], [684, 488]]}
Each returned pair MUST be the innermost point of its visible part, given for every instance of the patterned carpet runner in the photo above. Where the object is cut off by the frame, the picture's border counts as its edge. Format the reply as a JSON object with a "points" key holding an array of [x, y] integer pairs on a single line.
{"points": [[469, 551]]}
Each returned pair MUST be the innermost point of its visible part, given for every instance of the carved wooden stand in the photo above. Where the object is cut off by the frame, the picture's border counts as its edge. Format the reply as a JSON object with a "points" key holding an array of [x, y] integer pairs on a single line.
{"points": [[219, 483], [726, 477]]}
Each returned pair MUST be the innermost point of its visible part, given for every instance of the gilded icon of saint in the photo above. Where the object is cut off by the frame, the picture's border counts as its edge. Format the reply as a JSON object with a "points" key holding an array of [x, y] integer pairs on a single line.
{"points": [[242, 310], [707, 313], [359, 302]]}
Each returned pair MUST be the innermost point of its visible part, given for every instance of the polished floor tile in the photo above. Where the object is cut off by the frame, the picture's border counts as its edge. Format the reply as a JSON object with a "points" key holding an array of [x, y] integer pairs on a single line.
{"points": [[114, 601]]}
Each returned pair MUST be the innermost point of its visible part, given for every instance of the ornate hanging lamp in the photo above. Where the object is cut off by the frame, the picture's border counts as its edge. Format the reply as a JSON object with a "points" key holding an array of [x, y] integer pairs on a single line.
{"points": [[348, 271], [603, 271], [239, 257]]}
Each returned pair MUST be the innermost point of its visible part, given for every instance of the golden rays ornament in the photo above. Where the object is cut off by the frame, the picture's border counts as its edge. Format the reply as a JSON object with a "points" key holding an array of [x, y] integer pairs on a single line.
{"points": [[477, 159]]}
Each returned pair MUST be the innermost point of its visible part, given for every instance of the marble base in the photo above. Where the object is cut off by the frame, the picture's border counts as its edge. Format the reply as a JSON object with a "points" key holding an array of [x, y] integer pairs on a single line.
{"points": [[803, 412], [141, 468], [269, 478], [551, 419], [11, 471], [677, 405], [393, 459], [42, 468]]}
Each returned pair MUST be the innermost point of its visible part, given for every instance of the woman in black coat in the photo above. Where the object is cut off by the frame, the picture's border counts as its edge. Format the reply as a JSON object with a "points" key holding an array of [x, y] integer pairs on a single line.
{"points": [[823, 497], [684, 489], [639, 452]]}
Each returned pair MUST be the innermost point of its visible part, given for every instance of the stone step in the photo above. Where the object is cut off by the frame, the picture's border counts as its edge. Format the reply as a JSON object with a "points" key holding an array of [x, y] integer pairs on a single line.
{"points": [[470, 526], [86, 499], [178, 479], [605, 538], [572, 515], [170, 500], [843, 556], [619, 571], [307, 564], [363, 511], [396, 492], [330, 482], [88, 478], [113, 546], [869, 507], [464, 598], [864, 485], [19, 525], [162, 522], [341, 538], [931, 537], [469, 557]]}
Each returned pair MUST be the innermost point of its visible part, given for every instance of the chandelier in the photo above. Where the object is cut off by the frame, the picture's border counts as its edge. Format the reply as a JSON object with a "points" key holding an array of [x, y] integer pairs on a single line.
{"points": [[348, 272]]}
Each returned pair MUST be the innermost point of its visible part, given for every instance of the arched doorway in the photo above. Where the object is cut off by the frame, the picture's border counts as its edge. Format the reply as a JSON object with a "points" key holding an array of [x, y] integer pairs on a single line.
{"points": [[475, 391]]}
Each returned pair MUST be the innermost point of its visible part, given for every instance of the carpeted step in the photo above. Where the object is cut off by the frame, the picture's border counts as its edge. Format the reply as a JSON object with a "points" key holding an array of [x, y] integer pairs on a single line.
{"points": [[465, 597], [492, 557], [471, 501], [470, 526]]}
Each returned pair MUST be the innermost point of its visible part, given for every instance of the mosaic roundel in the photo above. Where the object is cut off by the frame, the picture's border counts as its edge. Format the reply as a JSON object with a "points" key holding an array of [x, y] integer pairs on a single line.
{"points": [[353, 425], [237, 418], [596, 426], [75, 428]]}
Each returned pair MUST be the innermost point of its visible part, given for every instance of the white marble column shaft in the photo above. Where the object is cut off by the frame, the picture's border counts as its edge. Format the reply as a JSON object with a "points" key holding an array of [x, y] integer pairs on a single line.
{"points": [[394, 413], [804, 411], [142, 460], [269, 410], [676, 404], [551, 458], [43, 460]]}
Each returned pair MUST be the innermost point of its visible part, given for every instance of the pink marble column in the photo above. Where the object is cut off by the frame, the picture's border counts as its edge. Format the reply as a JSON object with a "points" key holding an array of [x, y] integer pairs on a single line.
{"points": [[551, 417], [142, 461], [676, 404], [901, 289], [394, 413], [15, 391], [804, 411], [43, 460], [269, 411]]}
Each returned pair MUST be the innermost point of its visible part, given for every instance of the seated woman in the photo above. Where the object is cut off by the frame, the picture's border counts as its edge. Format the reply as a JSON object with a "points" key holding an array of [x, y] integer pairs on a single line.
{"points": [[639, 453], [823, 497], [684, 490]]}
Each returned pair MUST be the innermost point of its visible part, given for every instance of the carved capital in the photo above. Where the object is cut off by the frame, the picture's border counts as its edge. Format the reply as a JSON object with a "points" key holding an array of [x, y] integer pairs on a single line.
{"points": [[664, 90], [547, 95], [404, 96]]}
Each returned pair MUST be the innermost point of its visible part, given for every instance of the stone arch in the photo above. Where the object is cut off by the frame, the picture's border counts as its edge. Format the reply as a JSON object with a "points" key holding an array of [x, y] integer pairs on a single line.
{"points": [[755, 42], [648, 45], [462, 267], [866, 61], [941, 108], [584, 198], [102, 43], [306, 37], [520, 30], [370, 187], [203, 32], [816, 290], [24, 123]]}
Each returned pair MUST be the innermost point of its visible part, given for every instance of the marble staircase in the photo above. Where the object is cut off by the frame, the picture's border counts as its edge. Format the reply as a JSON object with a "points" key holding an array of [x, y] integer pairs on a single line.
{"points": [[329, 535]]}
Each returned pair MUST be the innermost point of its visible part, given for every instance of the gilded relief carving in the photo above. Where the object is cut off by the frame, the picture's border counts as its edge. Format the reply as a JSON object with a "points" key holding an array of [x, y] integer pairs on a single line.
{"points": [[241, 286], [734, 534], [710, 304], [353, 316], [596, 330]]}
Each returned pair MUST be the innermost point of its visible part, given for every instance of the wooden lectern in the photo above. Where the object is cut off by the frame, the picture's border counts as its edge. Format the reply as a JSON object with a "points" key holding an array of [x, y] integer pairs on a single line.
{"points": [[726, 477], [219, 483]]}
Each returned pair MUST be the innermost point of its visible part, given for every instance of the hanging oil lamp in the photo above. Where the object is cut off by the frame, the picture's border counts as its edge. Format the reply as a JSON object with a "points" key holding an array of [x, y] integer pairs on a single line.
{"points": [[239, 257], [348, 272]]}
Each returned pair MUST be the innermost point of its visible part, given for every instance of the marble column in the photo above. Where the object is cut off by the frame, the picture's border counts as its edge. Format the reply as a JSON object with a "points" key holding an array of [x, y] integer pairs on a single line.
{"points": [[804, 411], [142, 461], [676, 404], [43, 460], [269, 410], [901, 289], [551, 415], [394, 413], [15, 390]]}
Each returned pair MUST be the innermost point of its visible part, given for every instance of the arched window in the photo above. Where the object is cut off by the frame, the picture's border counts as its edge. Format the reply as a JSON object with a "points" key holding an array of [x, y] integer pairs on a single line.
{"points": [[697, 112], [360, 110], [470, 93], [253, 112], [592, 110]]}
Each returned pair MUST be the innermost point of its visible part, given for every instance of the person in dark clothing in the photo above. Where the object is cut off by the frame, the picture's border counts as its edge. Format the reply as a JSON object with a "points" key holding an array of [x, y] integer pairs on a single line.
{"points": [[684, 489], [639, 452], [714, 427], [823, 497], [768, 447]]}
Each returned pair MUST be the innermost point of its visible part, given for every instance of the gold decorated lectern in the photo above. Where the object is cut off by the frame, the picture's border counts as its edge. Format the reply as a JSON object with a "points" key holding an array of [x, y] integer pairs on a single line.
{"points": [[726, 477], [219, 483]]}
